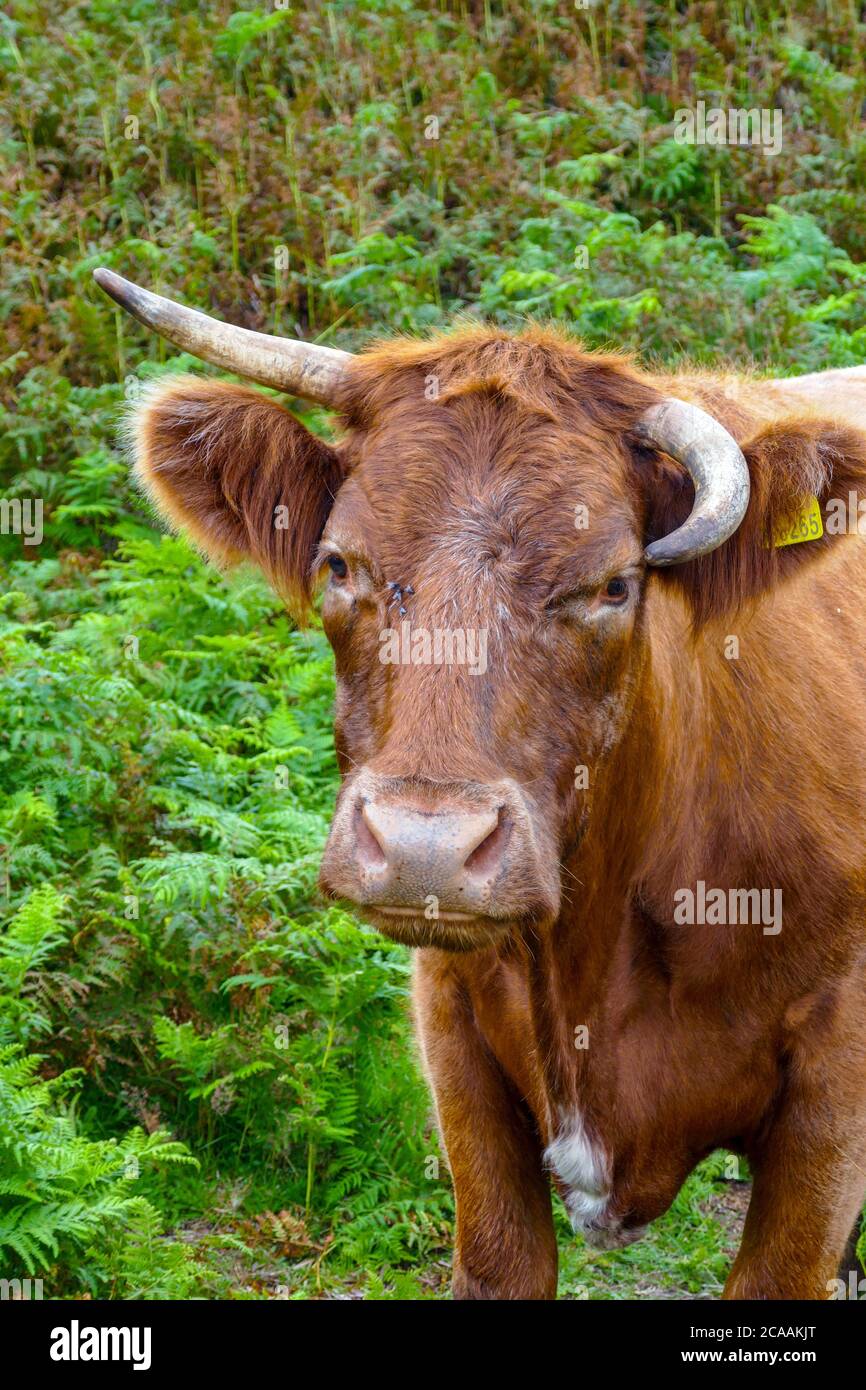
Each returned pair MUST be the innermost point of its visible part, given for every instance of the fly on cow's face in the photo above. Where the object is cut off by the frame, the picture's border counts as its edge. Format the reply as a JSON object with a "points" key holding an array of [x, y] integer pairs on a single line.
{"points": [[398, 593]]}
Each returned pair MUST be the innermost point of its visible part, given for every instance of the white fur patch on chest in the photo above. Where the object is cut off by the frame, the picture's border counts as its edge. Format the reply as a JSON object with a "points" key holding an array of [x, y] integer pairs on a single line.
{"points": [[583, 1167]]}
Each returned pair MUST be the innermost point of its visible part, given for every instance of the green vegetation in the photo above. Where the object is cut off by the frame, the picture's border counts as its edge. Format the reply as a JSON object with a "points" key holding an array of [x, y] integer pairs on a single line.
{"points": [[207, 1086]]}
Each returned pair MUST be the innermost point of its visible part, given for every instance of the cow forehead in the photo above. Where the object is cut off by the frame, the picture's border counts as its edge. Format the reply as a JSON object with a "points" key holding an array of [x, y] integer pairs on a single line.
{"points": [[481, 485]]}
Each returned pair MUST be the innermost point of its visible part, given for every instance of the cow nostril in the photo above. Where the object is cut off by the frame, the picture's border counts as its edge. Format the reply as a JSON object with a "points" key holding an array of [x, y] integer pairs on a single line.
{"points": [[487, 856], [368, 848]]}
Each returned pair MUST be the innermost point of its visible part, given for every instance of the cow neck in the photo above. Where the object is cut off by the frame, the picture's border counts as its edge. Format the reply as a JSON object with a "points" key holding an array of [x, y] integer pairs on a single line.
{"points": [[580, 971]]}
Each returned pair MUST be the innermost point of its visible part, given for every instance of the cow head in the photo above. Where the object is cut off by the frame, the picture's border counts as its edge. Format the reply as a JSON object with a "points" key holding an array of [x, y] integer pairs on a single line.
{"points": [[486, 532]]}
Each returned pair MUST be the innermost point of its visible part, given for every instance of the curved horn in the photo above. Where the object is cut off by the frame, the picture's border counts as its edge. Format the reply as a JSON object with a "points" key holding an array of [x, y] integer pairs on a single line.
{"points": [[302, 369], [715, 462]]}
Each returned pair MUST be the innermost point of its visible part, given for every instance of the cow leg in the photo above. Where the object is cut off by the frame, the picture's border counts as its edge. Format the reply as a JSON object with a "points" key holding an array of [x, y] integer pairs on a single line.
{"points": [[505, 1246], [795, 1236], [810, 1165]]}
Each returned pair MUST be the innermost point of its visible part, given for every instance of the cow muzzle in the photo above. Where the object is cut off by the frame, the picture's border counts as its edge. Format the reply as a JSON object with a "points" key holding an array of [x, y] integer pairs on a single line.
{"points": [[432, 864]]}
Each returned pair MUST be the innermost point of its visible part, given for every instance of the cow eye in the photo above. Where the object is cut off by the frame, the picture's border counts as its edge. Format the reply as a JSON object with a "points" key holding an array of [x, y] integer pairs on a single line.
{"points": [[616, 590], [338, 566]]}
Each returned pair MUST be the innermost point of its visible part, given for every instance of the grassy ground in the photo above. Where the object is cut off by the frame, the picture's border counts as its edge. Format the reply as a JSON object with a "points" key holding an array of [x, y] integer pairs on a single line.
{"points": [[685, 1255], [206, 1081]]}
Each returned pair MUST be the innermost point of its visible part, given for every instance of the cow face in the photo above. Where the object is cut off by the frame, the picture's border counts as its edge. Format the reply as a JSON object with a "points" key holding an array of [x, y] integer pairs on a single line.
{"points": [[484, 579], [481, 551]]}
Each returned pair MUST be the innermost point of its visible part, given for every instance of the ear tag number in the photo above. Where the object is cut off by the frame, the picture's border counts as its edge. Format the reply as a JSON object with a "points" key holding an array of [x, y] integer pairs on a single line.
{"points": [[806, 525]]}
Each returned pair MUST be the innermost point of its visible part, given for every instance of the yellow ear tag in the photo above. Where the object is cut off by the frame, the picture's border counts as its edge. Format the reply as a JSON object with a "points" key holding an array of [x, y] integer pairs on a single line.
{"points": [[806, 525]]}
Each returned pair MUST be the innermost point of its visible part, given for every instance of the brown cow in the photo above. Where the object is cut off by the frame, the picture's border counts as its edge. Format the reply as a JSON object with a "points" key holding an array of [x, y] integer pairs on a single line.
{"points": [[661, 718]]}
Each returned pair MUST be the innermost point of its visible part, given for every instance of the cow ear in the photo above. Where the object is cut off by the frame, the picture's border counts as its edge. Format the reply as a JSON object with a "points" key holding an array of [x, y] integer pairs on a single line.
{"points": [[789, 463], [239, 475]]}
